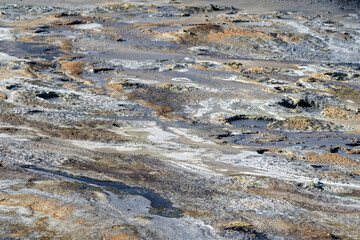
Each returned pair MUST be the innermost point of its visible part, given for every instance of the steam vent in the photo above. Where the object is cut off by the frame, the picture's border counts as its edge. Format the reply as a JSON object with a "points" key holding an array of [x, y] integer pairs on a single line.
{"points": [[179, 119]]}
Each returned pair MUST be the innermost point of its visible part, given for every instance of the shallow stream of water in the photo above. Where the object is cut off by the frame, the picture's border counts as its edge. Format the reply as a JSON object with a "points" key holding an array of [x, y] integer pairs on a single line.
{"points": [[159, 205]]}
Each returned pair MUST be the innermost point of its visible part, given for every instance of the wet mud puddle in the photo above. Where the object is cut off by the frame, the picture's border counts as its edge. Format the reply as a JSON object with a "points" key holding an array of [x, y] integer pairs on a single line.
{"points": [[259, 133], [158, 205]]}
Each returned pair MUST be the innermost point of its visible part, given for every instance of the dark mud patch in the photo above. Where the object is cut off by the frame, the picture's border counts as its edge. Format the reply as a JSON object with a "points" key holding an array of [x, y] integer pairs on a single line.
{"points": [[50, 96], [23, 49], [323, 168], [289, 103], [248, 117], [251, 123]]}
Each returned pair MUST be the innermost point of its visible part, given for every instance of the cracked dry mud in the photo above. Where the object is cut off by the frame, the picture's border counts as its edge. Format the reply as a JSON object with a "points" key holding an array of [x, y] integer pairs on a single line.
{"points": [[179, 119]]}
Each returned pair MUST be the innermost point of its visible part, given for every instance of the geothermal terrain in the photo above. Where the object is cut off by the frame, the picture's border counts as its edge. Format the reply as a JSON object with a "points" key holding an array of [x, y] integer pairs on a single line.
{"points": [[179, 119]]}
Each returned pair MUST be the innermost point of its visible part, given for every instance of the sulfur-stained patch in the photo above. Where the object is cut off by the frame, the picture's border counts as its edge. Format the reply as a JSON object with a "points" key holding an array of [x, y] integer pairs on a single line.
{"points": [[37, 203], [331, 158]]}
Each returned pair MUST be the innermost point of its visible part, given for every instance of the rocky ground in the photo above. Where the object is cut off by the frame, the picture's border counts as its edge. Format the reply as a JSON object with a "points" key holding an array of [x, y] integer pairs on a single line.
{"points": [[179, 119]]}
